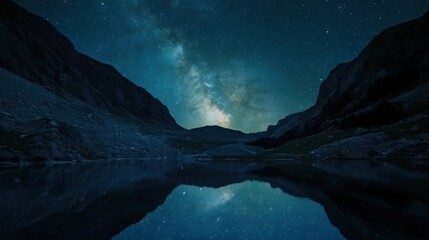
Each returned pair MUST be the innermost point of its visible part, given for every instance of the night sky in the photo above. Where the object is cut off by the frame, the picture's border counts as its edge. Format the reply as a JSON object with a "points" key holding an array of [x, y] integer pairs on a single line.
{"points": [[239, 64]]}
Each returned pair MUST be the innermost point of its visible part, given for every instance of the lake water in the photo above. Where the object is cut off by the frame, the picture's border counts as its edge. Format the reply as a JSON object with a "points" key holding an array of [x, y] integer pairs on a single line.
{"points": [[248, 210], [174, 199]]}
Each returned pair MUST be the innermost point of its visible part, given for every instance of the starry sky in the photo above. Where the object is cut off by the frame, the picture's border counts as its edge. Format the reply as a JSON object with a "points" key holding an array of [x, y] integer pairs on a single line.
{"points": [[238, 64], [248, 210]]}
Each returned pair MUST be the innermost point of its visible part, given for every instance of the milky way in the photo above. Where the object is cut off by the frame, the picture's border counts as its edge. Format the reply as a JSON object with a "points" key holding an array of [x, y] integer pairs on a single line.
{"points": [[244, 211], [238, 64]]}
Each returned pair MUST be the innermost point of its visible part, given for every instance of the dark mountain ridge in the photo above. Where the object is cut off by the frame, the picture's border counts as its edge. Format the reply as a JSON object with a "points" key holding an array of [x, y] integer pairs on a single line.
{"points": [[80, 108], [68, 106], [217, 133], [386, 83], [57, 104], [33, 49]]}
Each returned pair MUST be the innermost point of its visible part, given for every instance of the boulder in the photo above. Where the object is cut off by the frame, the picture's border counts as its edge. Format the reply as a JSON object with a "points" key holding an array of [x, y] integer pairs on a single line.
{"points": [[352, 147]]}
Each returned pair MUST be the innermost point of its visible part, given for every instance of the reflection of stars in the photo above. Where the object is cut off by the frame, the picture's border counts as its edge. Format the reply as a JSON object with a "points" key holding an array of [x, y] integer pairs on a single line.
{"points": [[341, 7], [251, 210], [219, 200], [226, 196], [207, 6], [103, 7]]}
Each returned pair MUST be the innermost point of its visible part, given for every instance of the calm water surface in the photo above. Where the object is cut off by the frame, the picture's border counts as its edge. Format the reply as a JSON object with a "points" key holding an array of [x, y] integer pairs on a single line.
{"points": [[248, 210], [174, 199]]}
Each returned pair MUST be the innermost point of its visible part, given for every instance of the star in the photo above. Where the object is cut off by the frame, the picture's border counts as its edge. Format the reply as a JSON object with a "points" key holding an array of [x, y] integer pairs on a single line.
{"points": [[239, 64]]}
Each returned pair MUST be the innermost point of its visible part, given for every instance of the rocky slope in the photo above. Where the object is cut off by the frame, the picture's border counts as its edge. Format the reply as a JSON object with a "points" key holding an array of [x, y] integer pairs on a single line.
{"points": [[37, 125], [33, 49], [388, 82], [59, 105]]}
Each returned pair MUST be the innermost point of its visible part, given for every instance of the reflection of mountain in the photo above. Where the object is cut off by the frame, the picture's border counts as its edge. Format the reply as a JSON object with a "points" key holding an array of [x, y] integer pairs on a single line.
{"points": [[96, 201], [57, 105], [363, 201]]}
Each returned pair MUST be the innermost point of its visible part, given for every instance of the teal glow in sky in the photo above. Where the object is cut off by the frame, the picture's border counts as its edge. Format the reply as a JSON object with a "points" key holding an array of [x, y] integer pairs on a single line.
{"points": [[238, 64]]}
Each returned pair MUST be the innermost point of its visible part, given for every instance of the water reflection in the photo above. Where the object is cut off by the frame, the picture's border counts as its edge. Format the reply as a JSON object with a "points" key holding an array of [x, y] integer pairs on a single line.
{"points": [[101, 200], [248, 210]]}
